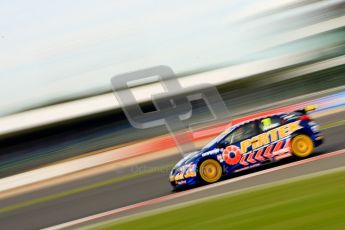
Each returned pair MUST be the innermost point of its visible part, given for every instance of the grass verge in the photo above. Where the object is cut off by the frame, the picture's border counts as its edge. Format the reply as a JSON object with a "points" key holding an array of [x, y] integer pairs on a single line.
{"points": [[312, 203]]}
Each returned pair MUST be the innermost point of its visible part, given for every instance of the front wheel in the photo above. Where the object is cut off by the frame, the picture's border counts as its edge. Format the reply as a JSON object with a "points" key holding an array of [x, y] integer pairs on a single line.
{"points": [[302, 145], [210, 171]]}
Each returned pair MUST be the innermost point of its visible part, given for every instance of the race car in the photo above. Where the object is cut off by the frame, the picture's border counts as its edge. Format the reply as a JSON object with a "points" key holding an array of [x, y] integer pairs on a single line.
{"points": [[249, 144]]}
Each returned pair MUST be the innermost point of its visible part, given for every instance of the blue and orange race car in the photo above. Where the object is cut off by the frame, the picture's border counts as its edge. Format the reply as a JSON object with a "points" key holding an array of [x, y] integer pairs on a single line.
{"points": [[247, 145]]}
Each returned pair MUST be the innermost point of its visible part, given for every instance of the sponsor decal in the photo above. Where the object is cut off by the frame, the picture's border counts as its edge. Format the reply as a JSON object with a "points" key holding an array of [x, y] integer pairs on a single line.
{"points": [[232, 154], [186, 171], [220, 158], [181, 182], [179, 176], [191, 171], [210, 153], [270, 136]]}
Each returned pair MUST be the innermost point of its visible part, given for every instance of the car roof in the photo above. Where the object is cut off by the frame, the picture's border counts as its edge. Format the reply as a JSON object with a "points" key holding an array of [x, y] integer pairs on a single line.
{"points": [[254, 119], [233, 127]]}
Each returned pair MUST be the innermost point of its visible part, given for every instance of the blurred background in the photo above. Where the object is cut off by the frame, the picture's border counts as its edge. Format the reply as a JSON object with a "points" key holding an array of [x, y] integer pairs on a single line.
{"points": [[51, 52], [57, 59]]}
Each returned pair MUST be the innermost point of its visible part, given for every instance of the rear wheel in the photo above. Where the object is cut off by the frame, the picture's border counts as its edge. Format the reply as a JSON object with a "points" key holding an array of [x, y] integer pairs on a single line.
{"points": [[210, 171], [302, 145]]}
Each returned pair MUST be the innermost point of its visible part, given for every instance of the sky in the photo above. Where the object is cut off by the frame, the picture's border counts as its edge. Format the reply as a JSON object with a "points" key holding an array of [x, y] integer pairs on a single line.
{"points": [[52, 50]]}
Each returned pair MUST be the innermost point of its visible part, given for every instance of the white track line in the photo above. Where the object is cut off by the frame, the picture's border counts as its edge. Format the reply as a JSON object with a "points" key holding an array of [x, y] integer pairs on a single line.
{"points": [[184, 193]]}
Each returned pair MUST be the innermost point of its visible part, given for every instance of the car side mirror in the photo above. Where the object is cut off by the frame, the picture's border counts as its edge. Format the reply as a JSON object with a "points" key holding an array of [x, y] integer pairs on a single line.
{"points": [[223, 144]]}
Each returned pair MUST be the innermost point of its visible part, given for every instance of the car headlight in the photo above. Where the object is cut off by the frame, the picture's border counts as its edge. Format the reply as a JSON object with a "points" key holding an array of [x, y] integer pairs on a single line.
{"points": [[172, 172]]}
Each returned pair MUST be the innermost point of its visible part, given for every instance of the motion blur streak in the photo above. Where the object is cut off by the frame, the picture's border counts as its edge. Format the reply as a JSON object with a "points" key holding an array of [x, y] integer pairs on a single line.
{"points": [[146, 147], [106, 102]]}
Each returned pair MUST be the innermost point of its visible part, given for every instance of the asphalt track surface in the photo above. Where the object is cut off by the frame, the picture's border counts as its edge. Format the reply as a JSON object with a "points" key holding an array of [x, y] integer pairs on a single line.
{"points": [[138, 189]]}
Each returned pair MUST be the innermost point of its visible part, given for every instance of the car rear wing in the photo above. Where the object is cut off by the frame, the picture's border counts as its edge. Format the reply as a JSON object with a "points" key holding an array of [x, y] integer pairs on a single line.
{"points": [[309, 108], [306, 109]]}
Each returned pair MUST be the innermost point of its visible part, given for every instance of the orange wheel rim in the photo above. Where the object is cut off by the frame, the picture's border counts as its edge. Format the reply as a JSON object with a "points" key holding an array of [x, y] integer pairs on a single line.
{"points": [[210, 171]]}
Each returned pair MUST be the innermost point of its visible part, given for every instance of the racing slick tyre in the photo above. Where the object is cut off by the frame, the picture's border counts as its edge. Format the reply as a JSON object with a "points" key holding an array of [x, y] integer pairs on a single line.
{"points": [[302, 145], [210, 171]]}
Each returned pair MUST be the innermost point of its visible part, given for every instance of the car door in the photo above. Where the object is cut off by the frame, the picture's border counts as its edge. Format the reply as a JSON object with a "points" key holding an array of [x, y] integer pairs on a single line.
{"points": [[234, 154], [278, 146]]}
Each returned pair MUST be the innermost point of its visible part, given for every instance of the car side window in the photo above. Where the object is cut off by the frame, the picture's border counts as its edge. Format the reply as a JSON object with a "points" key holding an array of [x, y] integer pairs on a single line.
{"points": [[269, 123], [243, 132]]}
